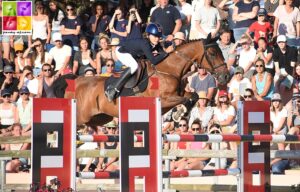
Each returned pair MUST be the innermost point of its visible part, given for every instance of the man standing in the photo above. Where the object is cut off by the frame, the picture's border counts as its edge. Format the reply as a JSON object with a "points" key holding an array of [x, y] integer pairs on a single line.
{"points": [[168, 17]]}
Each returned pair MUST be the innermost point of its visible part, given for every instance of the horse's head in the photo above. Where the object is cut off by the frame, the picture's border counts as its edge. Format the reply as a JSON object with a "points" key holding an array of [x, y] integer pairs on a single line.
{"points": [[212, 59]]}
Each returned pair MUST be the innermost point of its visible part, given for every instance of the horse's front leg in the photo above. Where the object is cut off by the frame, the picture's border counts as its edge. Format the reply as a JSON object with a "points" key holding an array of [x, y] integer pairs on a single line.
{"points": [[170, 102]]}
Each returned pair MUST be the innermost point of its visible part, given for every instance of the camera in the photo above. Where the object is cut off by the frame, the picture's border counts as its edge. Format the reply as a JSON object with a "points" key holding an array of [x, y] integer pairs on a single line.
{"points": [[132, 12]]}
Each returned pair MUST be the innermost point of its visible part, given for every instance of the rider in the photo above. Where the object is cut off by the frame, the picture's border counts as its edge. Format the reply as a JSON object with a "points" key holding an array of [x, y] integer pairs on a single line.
{"points": [[135, 48]]}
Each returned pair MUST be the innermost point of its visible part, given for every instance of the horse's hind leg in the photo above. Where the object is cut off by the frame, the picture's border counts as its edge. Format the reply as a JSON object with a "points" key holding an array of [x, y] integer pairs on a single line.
{"points": [[170, 102]]}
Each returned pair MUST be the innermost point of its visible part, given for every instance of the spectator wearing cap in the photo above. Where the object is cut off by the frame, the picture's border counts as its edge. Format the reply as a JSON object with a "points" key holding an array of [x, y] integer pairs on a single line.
{"points": [[9, 82], [226, 45], [83, 58], [168, 17], [207, 20], [109, 163], [71, 26], [61, 54], [244, 14], [186, 10], [117, 25], [89, 71], [134, 26], [20, 60], [8, 111], [37, 55], [287, 22], [238, 84], [107, 51], [202, 81], [260, 28], [24, 108], [179, 38], [285, 58], [27, 79], [262, 82], [99, 23], [201, 111]]}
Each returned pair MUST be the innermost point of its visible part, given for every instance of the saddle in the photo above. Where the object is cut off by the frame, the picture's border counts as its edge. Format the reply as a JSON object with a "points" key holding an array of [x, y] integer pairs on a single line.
{"points": [[137, 83]]}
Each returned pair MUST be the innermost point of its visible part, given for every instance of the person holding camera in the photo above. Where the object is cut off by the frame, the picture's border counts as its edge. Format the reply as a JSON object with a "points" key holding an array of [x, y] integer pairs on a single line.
{"points": [[134, 26], [117, 25]]}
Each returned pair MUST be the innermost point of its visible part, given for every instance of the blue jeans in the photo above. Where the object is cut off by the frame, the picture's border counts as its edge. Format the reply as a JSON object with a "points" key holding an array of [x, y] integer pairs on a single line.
{"points": [[293, 42], [238, 32], [280, 166]]}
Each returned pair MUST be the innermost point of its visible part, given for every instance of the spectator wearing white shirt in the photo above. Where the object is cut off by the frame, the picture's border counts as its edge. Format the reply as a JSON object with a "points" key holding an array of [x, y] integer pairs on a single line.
{"points": [[60, 53], [185, 9]]}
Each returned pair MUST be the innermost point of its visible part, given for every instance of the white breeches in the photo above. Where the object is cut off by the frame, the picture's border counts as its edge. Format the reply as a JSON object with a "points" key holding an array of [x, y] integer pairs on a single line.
{"points": [[128, 60]]}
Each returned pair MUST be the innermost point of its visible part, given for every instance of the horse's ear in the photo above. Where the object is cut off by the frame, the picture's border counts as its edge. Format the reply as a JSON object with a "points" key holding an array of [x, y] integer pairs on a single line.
{"points": [[208, 39]]}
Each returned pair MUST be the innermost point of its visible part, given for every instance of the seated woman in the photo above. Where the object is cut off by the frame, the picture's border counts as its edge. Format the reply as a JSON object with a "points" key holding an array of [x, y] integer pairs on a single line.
{"points": [[14, 165], [262, 82], [194, 163]]}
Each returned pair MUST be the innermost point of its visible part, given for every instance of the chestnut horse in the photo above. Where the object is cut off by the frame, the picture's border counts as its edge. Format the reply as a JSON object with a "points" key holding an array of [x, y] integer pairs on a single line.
{"points": [[93, 107]]}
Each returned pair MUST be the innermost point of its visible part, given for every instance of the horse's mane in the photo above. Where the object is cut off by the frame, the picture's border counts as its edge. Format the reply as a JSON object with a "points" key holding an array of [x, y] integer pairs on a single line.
{"points": [[188, 41]]}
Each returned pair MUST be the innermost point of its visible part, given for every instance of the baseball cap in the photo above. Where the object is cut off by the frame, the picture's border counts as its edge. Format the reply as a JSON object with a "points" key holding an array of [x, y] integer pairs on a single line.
{"points": [[57, 37], [281, 38], [179, 35], [276, 97], [223, 93], [24, 89], [239, 69], [18, 47], [89, 69], [262, 11], [8, 69], [5, 92]]}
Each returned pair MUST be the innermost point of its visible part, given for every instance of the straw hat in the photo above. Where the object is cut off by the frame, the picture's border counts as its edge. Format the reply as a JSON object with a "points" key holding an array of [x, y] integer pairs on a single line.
{"points": [[115, 41], [111, 124], [18, 47], [202, 95]]}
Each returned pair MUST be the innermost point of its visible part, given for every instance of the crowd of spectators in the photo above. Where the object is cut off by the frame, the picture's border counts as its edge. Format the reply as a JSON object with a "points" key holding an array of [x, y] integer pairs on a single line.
{"points": [[259, 40]]}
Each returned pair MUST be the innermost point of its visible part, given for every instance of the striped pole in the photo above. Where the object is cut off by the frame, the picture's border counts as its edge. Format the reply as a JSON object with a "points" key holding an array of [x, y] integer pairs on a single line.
{"points": [[104, 138], [232, 137], [166, 174]]}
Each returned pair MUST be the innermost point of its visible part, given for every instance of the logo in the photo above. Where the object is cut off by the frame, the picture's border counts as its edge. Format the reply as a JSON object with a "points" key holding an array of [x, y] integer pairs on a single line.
{"points": [[16, 17]]}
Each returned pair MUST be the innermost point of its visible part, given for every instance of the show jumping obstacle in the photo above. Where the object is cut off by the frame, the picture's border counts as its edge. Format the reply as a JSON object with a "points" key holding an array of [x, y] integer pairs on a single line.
{"points": [[143, 115]]}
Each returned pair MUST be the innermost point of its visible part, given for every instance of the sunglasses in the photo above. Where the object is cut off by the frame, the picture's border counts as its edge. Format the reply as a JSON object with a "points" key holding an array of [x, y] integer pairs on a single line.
{"points": [[70, 9], [113, 128], [245, 43], [6, 96], [276, 100], [24, 93], [258, 65], [298, 101], [195, 129], [45, 70], [200, 67], [247, 96], [182, 125], [109, 65], [8, 73], [38, 45], [17, 52]]}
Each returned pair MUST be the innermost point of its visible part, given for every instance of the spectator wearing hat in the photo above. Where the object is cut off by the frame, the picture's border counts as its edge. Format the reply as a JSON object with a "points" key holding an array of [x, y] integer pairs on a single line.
{"points": [[238, 85], [61, 54], [202, 81], [27, 79], [287, 22], [83, 58], [8, 110], [201, 111], [71, 26], [109, 163], [179, 38], [107, 51], [226, 45], [24, 108], [9, 82], [89, 71], [260, 28], [20, 60], [262, 82]]}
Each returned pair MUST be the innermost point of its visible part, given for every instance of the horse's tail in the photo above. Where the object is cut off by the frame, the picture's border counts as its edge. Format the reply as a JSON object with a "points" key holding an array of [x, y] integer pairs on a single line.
{"points": [[60, 85]]}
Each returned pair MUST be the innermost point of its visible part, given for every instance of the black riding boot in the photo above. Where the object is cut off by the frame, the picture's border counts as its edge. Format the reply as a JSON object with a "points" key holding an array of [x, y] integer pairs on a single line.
{"points": [[112, 90]]}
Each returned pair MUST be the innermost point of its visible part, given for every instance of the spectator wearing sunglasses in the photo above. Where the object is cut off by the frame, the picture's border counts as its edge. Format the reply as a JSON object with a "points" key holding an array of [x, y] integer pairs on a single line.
{"points": [[20, 60], [45, 88], [8, 111], [262, 82], [110, 68], [249, 95], [9, 82], [25, 110]]}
